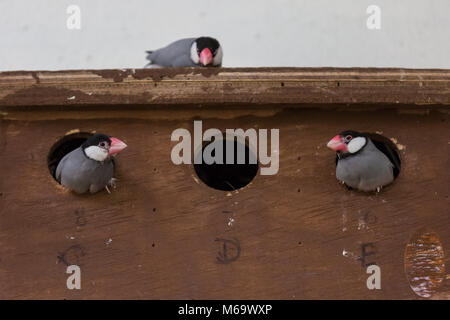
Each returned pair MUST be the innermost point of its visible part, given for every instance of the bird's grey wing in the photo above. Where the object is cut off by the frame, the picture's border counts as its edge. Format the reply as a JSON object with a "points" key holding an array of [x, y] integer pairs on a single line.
{"points": [[390, 154], [60, 167], [170, 55], [380, 170], [72, 173], [183, 61]]}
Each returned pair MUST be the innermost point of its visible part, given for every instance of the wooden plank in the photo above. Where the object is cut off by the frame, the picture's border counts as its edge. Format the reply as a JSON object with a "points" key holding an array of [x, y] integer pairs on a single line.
{"points": [[297, 87], [156, 236]]}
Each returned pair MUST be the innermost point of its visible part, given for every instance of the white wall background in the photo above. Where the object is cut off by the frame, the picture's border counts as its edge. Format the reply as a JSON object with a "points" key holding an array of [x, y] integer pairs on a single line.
{"points": [[115, 33]]}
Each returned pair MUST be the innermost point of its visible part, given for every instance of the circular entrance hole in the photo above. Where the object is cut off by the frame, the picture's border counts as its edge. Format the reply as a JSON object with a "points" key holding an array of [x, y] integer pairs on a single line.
{"points": [[386, 146], [227, 177], [63, 146]]}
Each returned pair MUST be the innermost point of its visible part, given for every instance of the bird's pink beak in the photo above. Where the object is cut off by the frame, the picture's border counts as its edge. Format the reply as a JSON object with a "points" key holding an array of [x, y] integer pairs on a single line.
{"points": [[336, 144], [206, 57], [116, 146]]}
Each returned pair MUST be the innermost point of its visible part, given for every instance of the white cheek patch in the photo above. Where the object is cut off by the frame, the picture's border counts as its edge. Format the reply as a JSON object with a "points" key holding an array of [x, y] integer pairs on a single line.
{"points": [[194, 54], [96, 153], [218, 57], [356, 144]]}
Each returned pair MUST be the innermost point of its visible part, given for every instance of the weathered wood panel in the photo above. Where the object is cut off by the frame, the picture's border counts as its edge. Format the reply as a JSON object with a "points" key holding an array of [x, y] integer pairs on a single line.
{"points": [[300, 233], [226, 87]]}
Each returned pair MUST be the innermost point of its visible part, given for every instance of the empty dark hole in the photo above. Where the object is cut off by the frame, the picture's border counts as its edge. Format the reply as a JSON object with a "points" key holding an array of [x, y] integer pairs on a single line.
{"points": [[63, 147], [386, 146], [227, 177]]}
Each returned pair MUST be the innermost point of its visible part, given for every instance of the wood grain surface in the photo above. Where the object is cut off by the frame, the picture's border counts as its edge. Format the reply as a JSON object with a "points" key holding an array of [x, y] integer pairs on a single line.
{"points": [[225, 87], [161, 233]]}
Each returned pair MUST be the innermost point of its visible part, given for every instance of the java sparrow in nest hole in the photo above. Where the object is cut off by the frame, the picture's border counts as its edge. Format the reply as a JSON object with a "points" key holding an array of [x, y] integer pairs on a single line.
{"points": [[190, 52], [90, 167], [362, 163]]}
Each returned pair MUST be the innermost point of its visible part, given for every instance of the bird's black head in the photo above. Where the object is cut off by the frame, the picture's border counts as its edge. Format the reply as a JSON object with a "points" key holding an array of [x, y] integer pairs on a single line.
{"points": [[99, 139], [349, 135], [207, 42], [348, 142], [207, 52], [100, 146]]}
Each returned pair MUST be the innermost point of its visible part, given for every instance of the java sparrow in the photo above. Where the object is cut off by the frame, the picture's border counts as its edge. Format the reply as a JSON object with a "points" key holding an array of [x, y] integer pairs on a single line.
{"points": [[90, 167], [362, 163], [190, 52]]}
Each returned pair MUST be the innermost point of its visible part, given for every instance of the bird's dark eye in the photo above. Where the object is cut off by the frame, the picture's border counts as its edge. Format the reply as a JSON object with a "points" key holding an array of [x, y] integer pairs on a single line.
{"points": [[102, 144], [348, 138]]}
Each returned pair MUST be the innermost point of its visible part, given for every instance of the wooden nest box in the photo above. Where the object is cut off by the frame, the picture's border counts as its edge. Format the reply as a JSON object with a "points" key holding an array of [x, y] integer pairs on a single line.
{"points": [[186, 232]]}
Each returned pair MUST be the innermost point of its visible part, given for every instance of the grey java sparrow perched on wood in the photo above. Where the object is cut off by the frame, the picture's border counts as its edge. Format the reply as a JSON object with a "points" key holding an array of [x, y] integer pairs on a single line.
{"points": [[362, 163], [190, 52], [90, 166]]}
